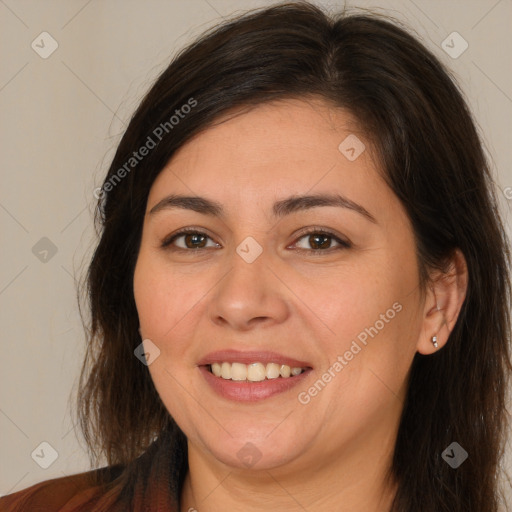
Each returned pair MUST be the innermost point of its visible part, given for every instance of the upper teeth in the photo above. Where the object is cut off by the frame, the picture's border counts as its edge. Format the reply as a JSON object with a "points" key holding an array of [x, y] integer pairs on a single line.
{"points": [[253, 372]]}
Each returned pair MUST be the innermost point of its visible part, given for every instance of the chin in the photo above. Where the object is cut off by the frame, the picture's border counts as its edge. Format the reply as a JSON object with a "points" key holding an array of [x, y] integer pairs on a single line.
{"points": [[255, 455], [263, 448]]}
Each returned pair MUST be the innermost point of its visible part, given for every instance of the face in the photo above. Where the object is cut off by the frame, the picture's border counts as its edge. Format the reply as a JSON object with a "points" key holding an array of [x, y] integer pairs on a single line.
{"points": [[268, 280]]}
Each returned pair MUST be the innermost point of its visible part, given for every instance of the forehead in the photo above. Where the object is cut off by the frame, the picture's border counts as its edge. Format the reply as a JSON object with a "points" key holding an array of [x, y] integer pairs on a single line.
{"points": [[274, 150], [281, 130]]}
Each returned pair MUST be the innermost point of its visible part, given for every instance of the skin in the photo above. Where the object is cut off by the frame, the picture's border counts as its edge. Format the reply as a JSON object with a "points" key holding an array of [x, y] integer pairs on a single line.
{"points": [[333, 452]]}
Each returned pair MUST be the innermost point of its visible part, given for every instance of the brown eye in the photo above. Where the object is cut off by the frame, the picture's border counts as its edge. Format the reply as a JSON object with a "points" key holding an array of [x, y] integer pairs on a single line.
{"points": [[192, 240], [321, 241]]}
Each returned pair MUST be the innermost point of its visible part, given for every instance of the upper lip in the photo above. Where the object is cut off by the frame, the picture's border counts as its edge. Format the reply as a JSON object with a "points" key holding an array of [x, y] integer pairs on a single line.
{"points": [[248, 357]]}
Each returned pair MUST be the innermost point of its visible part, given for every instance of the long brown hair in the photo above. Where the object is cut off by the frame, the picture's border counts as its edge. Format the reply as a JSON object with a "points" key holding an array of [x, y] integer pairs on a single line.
{"points": [[432, 158]]}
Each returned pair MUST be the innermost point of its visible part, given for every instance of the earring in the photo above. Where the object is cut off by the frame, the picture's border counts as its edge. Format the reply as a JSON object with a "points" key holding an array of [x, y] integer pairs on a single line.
{"points": [[434, 341]]}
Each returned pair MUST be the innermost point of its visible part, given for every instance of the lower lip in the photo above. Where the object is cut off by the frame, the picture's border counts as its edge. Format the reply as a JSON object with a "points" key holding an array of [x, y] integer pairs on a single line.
{"points": [[242, 391]]}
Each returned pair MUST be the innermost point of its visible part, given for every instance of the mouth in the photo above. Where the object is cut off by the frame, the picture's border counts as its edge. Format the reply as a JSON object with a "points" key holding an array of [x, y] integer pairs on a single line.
{"points": [[252, 376]]}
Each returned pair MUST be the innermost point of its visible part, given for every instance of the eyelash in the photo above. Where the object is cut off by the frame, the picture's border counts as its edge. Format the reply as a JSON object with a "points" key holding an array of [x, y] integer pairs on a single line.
{"points": [[343, 244]]}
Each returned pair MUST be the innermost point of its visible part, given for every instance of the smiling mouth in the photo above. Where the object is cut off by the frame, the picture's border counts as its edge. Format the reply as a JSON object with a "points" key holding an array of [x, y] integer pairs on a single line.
{"points": [[254, 372]]}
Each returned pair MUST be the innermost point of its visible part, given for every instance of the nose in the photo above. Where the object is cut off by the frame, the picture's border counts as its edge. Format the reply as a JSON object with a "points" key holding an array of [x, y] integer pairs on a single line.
{"points": [[249, 294]]}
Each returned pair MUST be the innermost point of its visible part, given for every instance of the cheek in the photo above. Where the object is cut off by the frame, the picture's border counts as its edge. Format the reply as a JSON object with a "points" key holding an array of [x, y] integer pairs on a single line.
{"points": [[377, 326], [163, 300], [162, 296], [152, 297], [351, 304], [373, 317]]}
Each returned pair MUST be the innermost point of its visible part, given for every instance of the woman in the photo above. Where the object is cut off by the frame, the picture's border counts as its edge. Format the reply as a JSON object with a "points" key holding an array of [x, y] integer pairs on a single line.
{"points": [[300, 298]]}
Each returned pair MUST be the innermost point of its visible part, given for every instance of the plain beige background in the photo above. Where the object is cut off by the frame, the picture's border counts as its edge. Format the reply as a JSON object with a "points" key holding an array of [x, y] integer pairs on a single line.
{"points": [[61, 117]]}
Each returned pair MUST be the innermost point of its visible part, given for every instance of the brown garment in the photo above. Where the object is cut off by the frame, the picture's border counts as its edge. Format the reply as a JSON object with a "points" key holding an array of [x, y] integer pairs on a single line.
{"points": [[148, 484], [60, 494]]}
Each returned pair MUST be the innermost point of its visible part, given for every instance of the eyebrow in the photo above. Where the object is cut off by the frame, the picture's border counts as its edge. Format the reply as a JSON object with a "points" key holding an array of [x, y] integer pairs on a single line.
{"points": [[280, 208]]}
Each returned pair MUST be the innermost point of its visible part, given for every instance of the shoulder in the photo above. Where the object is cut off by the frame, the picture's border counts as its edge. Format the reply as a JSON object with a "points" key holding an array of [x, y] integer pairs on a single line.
{"points": [[64, 494]]}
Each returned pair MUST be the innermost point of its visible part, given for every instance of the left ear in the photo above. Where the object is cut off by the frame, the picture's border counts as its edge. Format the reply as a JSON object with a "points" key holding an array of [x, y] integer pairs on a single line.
{"points": [[444, 298]]}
